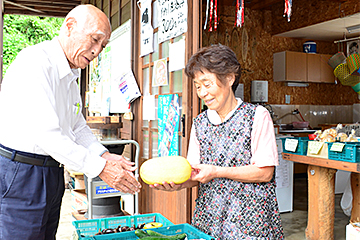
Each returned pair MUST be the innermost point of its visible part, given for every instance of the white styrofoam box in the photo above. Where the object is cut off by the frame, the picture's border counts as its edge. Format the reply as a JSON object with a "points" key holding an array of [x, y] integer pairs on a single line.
{"points": [[352, 233]]}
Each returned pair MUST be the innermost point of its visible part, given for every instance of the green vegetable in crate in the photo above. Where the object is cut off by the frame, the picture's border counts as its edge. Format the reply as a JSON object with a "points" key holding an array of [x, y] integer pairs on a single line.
{"points": [[141, 233], [165, 169], [152, 235], [177, 236]]}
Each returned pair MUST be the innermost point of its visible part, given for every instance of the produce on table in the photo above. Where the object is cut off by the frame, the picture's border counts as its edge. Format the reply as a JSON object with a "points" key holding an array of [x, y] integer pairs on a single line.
{"points": [[165, 169], [152, 235], [120, 229], [153, 225], [335, 135]]}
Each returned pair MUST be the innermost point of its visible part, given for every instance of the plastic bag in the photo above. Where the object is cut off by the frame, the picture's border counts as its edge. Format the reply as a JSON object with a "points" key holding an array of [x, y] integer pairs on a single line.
{"points": [[346, 199]]}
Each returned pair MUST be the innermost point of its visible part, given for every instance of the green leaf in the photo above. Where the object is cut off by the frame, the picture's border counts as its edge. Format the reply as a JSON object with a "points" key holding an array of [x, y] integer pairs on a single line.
{"points": [[21, 31]]}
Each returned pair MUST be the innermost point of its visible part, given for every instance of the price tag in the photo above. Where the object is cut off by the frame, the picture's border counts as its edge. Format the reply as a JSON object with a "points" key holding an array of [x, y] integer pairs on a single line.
{"points": [[337, 147], [291, 144], [314, 147]]}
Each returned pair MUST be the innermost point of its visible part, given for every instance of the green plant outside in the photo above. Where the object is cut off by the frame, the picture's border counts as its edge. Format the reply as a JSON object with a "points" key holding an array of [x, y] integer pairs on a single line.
{"points": [[21, 31]]}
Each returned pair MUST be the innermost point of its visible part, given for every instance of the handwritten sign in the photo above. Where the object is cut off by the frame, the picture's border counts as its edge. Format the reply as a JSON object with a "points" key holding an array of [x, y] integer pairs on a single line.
{"points": [[172, 19], [291, 144], [337, 147], [146, 32], [314, 147]]}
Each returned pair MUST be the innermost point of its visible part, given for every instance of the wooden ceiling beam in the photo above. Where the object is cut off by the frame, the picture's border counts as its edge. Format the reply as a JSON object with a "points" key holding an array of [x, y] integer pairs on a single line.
{"points": [[31, 13], [45, 8], [21, 6], [44, 3], [39, 7], [48, 2], [39, 11]]}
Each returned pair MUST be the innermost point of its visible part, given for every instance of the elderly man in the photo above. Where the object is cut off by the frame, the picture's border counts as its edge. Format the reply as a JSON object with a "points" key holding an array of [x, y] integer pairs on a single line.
{"points": [[42, 129]]}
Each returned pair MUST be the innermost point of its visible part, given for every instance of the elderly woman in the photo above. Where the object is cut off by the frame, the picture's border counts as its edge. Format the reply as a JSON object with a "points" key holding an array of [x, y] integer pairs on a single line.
{"points": [[233, 154]]}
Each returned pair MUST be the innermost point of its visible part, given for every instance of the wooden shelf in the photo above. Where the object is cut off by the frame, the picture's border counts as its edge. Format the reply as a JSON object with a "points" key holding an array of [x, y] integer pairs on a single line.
{"points": [[321, 162], [110, 122]]}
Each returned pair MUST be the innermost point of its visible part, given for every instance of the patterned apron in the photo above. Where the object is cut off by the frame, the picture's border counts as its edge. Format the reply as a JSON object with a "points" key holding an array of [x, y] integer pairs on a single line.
{"points": [[227, 209]]}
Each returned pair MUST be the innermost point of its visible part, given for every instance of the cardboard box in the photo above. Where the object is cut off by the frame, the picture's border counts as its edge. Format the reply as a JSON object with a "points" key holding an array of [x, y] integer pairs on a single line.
{"points": [[353, 232], [79, 200], [77, 180]]}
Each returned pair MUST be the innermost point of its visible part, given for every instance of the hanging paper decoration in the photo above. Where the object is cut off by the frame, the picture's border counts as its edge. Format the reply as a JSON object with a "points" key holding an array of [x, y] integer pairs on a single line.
{"points": [[287, 10], [207, 13], [212, 11], [215, 16], [239, 21]]}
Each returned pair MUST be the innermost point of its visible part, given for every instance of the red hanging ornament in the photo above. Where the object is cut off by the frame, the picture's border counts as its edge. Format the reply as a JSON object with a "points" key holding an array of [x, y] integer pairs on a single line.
{"points": [[287, 9], [239, 20], [211, 13], [215, 16]]}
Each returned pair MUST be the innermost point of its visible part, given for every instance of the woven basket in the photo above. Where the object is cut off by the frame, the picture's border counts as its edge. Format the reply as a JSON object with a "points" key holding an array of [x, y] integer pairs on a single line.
{"points": [[356, 88], [353, 62], [342, 72]]}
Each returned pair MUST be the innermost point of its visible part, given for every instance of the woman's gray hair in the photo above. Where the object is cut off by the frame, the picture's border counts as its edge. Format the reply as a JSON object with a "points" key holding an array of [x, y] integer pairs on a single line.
{"points": [[217, 59]]}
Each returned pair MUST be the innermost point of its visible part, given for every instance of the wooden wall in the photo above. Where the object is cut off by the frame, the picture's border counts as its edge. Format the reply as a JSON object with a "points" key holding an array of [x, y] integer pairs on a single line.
{"points": [[118, 11], [309, 12], [254, 45]]}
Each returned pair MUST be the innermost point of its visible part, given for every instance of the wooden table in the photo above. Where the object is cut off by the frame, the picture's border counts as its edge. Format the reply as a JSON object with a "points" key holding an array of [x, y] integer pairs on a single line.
{"points": [[321, 193]]}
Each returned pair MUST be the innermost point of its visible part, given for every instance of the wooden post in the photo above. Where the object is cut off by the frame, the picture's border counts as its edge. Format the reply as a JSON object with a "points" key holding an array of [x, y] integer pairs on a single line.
{"points": [[355, 184], [321, 209]]}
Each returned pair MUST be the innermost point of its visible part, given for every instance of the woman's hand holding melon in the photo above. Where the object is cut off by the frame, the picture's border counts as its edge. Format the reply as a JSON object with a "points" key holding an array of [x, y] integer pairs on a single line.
{"points": [[170, 173]]}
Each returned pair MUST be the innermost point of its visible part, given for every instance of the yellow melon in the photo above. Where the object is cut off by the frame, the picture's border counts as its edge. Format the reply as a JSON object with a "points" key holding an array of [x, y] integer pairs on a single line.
{"points": [[165, 169]]}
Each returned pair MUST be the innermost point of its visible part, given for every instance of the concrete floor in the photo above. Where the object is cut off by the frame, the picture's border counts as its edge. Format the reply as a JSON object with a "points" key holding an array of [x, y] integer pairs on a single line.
{"points": [[294, 223], [66, 229]]}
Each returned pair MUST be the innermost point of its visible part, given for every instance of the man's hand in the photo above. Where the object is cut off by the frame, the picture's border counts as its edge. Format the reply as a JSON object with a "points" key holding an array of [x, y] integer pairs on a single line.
{"points": [[118, 173]]}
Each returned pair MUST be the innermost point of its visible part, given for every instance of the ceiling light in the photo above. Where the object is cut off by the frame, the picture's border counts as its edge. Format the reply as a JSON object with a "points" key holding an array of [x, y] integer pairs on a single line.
{"points": [[353, 29]]}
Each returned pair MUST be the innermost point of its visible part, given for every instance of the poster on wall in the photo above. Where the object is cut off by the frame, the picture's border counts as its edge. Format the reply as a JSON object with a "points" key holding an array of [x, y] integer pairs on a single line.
{"points": [[168, 125], [112, 64], [95, 86], [127, 86], [99, 83], [120, 43], [146, 36], [172, 17], [160, 73], [177, 55]]}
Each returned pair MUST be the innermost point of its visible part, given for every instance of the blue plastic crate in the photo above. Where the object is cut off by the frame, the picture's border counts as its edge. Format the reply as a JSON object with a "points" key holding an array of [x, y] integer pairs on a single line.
{"points": [[350, 152], [86, 229], [301, 148], [191, 233]]}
